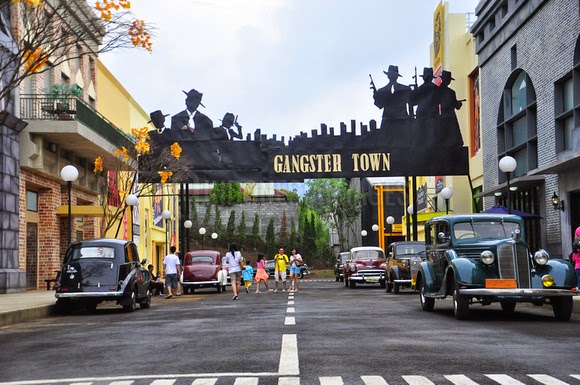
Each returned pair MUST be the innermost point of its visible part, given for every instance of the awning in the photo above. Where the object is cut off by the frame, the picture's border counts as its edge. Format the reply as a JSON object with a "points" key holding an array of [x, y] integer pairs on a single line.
{"points": [[521, 182], [565, 162]]}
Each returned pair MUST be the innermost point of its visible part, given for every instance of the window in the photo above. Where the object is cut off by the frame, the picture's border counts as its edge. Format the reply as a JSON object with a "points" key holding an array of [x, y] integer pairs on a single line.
{"points": [[32, 201], [567, 116], [517, 124]]}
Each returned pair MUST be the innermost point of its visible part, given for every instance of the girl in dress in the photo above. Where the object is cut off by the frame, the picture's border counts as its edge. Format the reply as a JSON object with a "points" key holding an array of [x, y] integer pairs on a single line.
{"points": [[261, 274]]}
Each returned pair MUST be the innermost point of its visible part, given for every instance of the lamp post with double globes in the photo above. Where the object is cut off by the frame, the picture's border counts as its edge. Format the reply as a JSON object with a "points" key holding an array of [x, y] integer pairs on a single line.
{"points": [[69, 174], [166, 214], [131, 201], [507, 164]]}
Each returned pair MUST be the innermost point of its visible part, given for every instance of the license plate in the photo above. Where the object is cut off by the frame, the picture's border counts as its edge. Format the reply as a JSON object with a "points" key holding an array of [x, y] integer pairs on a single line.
{"points": [[372, 280], [500, 283]]}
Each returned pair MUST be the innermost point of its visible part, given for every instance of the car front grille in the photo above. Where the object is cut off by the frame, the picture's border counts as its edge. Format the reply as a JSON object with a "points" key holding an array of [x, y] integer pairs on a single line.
{"points": [[513, 263], [371, 273]]}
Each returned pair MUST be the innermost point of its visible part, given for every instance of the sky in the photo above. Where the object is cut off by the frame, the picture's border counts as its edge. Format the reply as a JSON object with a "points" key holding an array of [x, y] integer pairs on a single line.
{"points": [[283, 66]]}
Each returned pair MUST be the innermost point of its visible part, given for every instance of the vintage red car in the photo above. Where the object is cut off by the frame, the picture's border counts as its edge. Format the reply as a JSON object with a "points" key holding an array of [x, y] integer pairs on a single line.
{"points": [[365, 265], [203, 268]]}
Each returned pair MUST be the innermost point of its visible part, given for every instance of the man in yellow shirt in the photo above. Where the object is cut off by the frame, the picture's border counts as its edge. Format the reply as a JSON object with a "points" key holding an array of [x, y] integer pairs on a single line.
{"points": [[280, 261]]}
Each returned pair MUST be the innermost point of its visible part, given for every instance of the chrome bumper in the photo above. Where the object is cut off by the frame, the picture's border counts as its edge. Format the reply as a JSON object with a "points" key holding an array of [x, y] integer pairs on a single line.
{"points": [[90, 294], [520, 292]]}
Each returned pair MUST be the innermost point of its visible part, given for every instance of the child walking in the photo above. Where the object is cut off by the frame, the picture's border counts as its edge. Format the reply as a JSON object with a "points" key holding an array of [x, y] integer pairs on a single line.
{"points": [[248, 275], [261, 275]]}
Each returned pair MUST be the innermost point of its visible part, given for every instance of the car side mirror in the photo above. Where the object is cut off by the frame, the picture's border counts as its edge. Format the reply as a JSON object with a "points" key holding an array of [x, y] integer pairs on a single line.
{"points": [[144, 262], [442, 237]]}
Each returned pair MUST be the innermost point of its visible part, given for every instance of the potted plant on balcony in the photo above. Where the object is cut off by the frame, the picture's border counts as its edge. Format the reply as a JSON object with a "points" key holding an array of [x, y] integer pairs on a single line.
{"points": [[59, 98]]}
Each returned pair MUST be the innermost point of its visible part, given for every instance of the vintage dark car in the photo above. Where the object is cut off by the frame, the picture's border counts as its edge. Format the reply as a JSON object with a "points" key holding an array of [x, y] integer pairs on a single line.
{"points": [[483, 258], [100, 270], [365, 265], [202, 268], [270, 267], [340, 260], [403, 260]]}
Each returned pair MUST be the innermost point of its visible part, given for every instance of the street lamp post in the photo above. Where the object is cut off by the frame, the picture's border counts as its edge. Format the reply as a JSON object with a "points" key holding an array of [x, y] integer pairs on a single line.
{"points": [[363, 234], [202, 232], [507, 164], [446, 194], [375, 229], [187, 224], [390, 221], [69, 174], [166, 214], [131, 201]]}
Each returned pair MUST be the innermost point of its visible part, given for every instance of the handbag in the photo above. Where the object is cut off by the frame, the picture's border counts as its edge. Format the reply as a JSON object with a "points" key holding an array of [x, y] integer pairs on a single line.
{"points": [[298, 262]]}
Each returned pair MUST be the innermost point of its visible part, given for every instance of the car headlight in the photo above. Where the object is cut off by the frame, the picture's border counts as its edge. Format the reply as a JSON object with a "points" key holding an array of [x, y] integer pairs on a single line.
{"points": [[487, 257], [352, 268], [541, 257], [547, 280], [405, 263]]}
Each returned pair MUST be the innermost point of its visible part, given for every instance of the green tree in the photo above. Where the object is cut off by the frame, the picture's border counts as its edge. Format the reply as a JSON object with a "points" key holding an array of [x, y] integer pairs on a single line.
{"points": [[218, 226], [283, 232], [231, 226], [255, 237], [271, 246], [336, 203], [242, 229], [293, 238], [226, 194], [207, 216]]}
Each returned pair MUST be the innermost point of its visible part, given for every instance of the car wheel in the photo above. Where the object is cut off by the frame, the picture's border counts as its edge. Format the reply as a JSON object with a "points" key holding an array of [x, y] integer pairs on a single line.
{"points": [[508, 306], [301, 275], [562, 307], [337, 278], [146, 303], [352, 284], [91, 306], [63, 306], [219, 288], [395, 288], [427, 304], [389, 287], [345, 280], [185, 289], [383, 284], [133, 304], [460, 304], [341, 279]]}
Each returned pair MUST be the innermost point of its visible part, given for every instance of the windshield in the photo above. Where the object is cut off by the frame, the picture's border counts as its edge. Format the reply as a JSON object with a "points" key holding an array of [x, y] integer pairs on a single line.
{"points": [[490, 229], [343, 257], [93, 252], [409, 249], [368, 254]]}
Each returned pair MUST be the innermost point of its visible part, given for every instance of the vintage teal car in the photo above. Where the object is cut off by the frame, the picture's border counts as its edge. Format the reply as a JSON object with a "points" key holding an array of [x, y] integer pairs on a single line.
{"points": [[483, 258]]}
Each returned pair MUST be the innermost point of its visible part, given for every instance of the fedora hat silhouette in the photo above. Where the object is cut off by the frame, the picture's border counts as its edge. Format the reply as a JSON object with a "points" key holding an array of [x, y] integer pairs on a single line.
{"points": [[393, 70], [158, 119], [446, 75], [427, 72], [194, 95]]}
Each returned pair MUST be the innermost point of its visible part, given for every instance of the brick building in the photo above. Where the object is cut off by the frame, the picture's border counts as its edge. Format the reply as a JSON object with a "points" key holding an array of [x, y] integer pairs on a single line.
{"points": [[529, 59]]}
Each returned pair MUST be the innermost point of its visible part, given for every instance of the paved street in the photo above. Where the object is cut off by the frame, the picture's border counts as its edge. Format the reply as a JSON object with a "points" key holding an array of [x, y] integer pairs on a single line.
{"points": [[325, 334]]}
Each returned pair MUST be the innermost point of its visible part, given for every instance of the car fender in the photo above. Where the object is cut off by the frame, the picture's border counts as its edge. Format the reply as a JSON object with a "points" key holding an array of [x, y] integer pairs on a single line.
{"points": [[562, 271], [395, 272], [427, 274], [465, 270]]}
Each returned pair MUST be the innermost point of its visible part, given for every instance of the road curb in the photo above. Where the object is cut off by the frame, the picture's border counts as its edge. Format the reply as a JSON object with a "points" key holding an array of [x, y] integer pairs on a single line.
{"points": [[25, 315]]}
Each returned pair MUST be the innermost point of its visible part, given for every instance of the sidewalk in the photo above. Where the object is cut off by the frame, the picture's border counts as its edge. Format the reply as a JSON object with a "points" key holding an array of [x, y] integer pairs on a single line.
{"points": [[34, 304], [25, 306]]}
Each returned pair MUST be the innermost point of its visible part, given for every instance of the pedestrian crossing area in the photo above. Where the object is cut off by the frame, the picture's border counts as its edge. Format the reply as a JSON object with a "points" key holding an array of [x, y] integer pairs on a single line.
{"points": [[452, 379]]}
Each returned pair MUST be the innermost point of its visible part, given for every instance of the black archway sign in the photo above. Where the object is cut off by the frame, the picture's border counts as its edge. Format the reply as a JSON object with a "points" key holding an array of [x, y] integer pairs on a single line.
{"points": [[418, 136]]}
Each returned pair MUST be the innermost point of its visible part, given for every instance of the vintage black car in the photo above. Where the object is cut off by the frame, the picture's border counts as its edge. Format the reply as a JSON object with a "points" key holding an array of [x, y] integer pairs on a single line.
{"points": [[100, 270], [403, 260], [483, 258], [340, 260]]}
